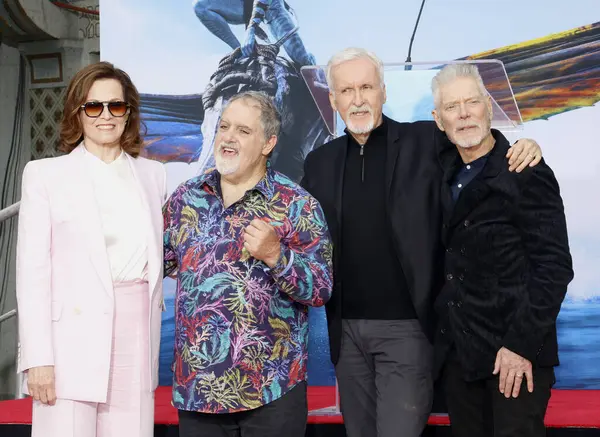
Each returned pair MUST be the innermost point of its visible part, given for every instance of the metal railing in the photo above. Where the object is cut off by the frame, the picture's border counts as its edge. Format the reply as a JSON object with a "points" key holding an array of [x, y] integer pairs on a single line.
{"points": [[6, 214], [9, 211], [8, 315]]}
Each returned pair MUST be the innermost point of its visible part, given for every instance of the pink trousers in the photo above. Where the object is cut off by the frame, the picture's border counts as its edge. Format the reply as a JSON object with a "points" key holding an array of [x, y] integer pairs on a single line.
{"points": [[129, 408]]}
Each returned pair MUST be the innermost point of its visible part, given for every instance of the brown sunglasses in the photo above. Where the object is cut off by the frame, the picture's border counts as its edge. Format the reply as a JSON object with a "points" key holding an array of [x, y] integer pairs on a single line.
{"points": [[95, 109]]}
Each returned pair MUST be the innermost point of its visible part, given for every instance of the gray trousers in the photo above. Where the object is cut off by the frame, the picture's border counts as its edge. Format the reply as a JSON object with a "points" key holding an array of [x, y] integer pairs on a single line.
{"points": [[385, 378]]}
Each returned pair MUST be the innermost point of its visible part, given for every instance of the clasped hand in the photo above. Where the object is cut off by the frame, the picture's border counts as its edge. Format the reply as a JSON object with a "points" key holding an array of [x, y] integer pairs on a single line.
{"points": [[262, 242]]}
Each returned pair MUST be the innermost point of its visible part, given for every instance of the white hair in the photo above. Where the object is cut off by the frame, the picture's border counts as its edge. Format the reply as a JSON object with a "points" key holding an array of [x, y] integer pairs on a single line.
{"points": [[350, 54], [449, 73]]}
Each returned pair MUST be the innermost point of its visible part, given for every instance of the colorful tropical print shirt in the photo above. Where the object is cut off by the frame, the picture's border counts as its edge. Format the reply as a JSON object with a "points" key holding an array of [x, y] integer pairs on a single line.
{"points": [[241, 335]]}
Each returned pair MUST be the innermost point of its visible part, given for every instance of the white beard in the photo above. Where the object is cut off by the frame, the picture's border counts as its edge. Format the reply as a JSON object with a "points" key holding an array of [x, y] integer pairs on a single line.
{"points": [[361, 130], [365, 129], [484, 129], [468, 143], [227, 166]]}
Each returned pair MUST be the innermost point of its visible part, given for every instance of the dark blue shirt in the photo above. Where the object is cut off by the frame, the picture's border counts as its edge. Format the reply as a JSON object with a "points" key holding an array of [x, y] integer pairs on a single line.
{"points": [[465, 174]]}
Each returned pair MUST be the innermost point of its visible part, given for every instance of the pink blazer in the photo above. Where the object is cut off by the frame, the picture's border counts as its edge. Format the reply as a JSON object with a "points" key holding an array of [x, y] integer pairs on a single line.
{"points": [[64, 285]]}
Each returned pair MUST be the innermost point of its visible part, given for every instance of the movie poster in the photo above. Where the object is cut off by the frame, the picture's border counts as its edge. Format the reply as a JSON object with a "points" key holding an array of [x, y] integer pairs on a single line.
{"points": [[188, 58]]}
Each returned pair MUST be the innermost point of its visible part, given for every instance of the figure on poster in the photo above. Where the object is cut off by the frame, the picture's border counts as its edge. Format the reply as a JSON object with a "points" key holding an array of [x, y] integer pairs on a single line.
{"points": [[303, 128], [217, 15]]}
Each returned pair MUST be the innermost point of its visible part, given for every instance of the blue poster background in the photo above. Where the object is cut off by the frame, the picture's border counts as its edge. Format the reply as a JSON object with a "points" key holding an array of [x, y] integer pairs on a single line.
{"points": [[181, 69]]}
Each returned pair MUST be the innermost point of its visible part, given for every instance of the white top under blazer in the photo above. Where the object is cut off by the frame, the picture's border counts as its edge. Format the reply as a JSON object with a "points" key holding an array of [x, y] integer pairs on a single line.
{"points": [[125, 221]]}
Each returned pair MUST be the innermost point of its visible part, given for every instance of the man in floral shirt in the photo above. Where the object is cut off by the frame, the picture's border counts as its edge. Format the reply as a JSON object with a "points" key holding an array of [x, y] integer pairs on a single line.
{"points": [[251, 251]]}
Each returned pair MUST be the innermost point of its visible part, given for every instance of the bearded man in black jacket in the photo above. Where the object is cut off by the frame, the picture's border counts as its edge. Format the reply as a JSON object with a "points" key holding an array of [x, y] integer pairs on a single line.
{"points": [[507, 267]]}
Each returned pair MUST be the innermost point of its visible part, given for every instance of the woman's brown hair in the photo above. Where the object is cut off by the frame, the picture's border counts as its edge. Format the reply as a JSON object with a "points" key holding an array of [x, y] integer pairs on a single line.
{"points": [[71, 131]]}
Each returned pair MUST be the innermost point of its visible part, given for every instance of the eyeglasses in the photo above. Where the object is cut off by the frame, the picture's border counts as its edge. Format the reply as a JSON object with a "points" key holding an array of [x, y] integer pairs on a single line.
{"points": [[95, 109]]}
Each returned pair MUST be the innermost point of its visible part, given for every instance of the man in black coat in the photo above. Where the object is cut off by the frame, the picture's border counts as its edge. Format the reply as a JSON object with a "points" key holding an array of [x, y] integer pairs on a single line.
{"points": [[507, 267], [378, 186]]}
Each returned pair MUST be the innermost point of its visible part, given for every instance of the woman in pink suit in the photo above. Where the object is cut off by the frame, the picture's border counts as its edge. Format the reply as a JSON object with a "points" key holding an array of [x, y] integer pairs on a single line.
{"points": [[89, 268]]}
